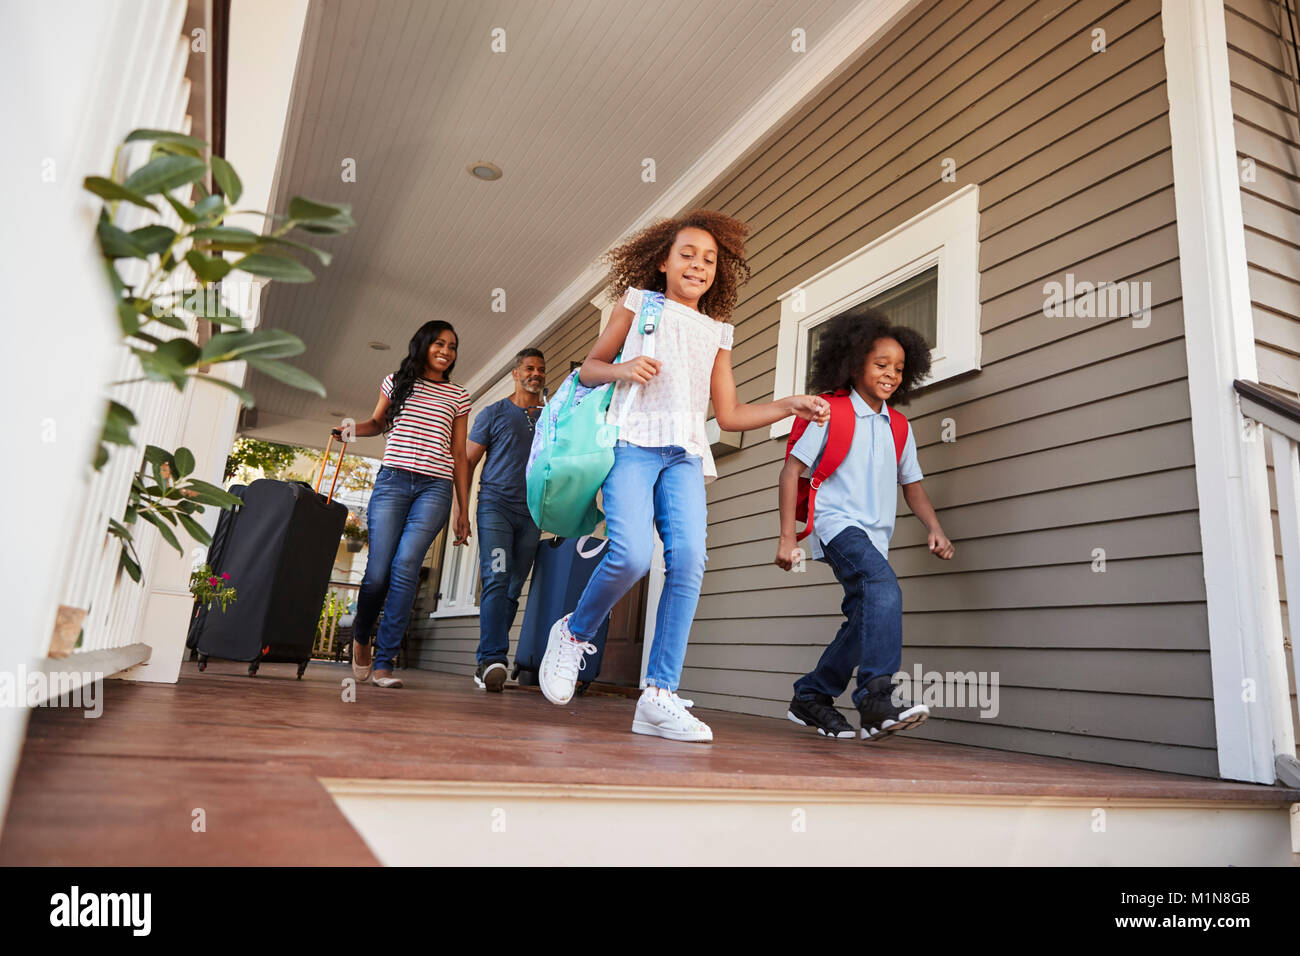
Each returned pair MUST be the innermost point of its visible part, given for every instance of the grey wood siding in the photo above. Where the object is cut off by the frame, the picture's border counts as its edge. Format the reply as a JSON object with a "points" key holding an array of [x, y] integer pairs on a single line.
{"points": [[1075, 433], [449, 644], [1261, 64]]}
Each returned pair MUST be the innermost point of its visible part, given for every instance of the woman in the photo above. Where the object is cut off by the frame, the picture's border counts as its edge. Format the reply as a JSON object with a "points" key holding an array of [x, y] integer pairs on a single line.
{"points": [[423, 414]]}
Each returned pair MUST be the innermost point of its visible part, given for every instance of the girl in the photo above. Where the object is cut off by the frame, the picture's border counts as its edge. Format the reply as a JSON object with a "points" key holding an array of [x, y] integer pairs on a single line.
{"points": [[662, 458], [423, 415]]}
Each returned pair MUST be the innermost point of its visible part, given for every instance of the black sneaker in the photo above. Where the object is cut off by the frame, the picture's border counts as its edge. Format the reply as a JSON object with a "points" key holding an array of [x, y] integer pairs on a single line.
{"points": [[881, 716], [491, 676], [820, 713]]}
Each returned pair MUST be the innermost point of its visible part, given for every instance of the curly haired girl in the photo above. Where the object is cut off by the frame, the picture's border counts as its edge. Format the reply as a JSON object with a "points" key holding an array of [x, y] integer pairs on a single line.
{"points": [[662, 458]]}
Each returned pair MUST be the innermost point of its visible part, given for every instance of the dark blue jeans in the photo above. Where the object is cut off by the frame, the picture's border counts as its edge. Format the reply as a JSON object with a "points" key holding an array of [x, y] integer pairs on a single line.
{"points": [[407, 510], [507, 545], [871, 637]]}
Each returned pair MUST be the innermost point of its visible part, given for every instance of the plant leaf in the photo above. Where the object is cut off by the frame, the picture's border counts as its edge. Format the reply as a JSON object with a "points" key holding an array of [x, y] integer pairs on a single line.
{"points": [[165, 173], [267, 343], [329, 227], [184, 461], [182, 350], [320, 254], [153, 239], [210, 494], [187, 214], [207, 268], [107, 189], [160, 367], [194, 529], [244, 396], [167, 533], [306, 210], [288, 374], [128, 318], [227, 178], [208, 206], [275, 267], [164, 136], [117, 243], [132, 568], [231, 235], [118, 422]]}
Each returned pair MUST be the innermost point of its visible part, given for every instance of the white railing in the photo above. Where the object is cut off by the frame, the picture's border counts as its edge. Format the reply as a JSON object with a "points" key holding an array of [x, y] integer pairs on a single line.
{"points": [[154, 93], [1275, 416]]}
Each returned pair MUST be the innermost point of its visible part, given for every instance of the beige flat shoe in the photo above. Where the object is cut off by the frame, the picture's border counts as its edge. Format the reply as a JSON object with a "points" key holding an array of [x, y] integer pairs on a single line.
{"points": [[360, 671], [387, 680]]}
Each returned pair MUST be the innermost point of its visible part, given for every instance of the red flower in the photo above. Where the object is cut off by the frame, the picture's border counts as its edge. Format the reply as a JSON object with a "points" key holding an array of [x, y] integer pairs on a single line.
{"points": [[212, 581], [225, 575]]}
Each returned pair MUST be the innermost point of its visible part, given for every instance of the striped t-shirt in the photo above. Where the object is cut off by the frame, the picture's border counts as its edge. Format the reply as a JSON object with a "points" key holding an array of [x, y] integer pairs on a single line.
{"points": [[421, 437]]}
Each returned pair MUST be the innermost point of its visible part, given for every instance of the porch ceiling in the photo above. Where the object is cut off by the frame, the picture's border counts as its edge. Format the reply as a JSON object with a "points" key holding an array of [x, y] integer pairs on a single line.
{"points": [[413, 92]]}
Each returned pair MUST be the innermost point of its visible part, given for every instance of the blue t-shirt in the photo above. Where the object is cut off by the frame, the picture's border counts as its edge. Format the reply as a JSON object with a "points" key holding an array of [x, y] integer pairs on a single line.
{"points": [[863, 491], [506, 431]]}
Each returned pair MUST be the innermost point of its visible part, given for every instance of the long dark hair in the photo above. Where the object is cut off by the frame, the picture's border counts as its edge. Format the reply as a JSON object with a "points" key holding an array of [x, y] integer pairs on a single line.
{"points": [[846, 342], [412, 367]]}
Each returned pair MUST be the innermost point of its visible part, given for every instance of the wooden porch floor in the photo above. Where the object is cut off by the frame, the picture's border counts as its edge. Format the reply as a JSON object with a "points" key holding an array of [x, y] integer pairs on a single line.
{"points": [[123, 789]]}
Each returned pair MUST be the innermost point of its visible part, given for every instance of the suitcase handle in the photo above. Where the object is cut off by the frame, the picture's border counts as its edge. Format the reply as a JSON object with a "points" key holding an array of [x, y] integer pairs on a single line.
{"points": [[343, 447]]}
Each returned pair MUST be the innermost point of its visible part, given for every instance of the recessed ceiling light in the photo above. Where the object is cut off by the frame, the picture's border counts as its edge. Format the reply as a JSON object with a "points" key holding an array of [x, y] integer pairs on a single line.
{"points": [[484, 171], [379, 346]]}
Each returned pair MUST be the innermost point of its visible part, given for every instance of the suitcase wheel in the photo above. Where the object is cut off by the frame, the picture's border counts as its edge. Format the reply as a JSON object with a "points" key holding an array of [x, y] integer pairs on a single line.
{"points": [[203, 662], [301, 669], [581, 688], [252, 669]]}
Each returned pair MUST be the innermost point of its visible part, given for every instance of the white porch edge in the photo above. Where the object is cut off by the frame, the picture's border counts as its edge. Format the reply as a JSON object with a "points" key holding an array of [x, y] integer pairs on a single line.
{"points": [[1231, 481], [853, 34]]}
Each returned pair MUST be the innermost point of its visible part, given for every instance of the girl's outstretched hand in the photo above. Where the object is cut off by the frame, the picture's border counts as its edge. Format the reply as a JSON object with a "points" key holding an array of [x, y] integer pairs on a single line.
{"points": [[640, 369], [812, 408]]}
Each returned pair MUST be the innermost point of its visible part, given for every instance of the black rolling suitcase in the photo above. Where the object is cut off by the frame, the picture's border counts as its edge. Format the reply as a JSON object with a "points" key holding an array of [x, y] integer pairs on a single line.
{"points": [[560, 573], [279, 551]]}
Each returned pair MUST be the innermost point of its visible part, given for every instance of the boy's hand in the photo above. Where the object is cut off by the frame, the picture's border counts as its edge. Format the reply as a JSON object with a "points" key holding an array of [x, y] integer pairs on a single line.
{"points": [[812, 408], [640, 369], [788, 553], [941, 546]]}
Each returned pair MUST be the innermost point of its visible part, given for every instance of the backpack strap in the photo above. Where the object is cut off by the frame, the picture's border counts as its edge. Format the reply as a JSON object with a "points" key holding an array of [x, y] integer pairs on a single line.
{"points": [[648, 317], [898, 425], [839, 439]]}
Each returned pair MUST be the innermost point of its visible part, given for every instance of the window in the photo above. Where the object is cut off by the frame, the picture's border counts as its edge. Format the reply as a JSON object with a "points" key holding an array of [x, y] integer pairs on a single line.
{"points": [[923, 274]]}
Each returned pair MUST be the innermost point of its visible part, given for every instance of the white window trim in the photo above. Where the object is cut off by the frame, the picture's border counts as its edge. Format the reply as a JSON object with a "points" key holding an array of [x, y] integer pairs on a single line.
{"points": [[469, 571], [946, 234]]}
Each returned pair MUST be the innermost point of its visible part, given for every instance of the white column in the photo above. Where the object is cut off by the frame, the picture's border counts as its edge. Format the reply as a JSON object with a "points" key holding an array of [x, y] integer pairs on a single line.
{"points": [[1231, 481]]}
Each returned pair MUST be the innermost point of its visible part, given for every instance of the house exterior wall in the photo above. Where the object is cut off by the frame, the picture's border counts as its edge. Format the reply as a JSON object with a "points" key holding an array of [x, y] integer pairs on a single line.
{"points": [[1261, 63], [1073, 436]]}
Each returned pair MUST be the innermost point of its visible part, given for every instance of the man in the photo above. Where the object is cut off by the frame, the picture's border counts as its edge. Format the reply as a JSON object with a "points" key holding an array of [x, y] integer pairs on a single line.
{"points": [[507, 537]]}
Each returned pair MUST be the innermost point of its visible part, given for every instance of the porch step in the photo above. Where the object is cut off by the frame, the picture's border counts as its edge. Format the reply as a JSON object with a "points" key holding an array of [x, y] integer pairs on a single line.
{"points": [[431, 822]]}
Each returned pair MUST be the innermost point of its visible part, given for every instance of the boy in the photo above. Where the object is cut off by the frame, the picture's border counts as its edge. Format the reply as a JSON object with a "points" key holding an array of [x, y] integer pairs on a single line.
{"points": [[853, 518]]}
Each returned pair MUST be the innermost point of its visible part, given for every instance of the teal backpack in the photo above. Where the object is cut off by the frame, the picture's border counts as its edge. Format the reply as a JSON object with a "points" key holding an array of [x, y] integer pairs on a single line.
{"points": [[573, 447]]}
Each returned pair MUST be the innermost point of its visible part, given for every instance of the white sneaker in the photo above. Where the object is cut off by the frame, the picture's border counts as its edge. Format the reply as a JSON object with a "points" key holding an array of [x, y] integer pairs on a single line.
{"points": [[561, 662], [663, 714]]}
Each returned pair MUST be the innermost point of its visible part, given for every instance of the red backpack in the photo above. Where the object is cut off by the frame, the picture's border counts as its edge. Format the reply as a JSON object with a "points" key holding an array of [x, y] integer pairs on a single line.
{"points": [[839, 440]]}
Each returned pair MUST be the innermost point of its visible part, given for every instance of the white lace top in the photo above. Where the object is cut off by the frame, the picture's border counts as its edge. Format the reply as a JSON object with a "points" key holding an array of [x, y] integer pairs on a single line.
{"points": [[672, 408]]}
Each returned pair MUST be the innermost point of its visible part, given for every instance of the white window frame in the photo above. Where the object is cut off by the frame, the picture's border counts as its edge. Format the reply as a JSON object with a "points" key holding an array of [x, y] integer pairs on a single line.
{"points": [[468, 575], [947, 235]]}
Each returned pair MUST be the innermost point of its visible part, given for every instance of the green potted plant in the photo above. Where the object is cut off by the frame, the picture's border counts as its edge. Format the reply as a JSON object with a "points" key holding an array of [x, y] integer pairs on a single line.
{"points": [[355, 533]]}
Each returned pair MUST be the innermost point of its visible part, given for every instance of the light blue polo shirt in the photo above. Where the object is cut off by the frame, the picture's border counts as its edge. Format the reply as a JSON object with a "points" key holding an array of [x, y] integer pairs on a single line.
{"points": [[863, 491]]}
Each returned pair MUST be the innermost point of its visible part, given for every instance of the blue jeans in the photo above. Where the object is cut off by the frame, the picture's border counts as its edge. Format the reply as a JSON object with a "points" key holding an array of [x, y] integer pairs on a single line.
{"points": [[407, 510], [651, 488], [871, 637], [507, 545]]}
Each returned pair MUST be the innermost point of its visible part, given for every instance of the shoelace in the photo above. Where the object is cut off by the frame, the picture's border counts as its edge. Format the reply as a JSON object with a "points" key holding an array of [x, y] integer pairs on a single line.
{"points": [[572, 658], [678, 705]]}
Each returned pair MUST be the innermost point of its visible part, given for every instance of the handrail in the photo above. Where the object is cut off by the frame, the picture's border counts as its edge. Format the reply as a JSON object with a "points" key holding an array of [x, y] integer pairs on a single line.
{"points": [[1270, 408]]}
